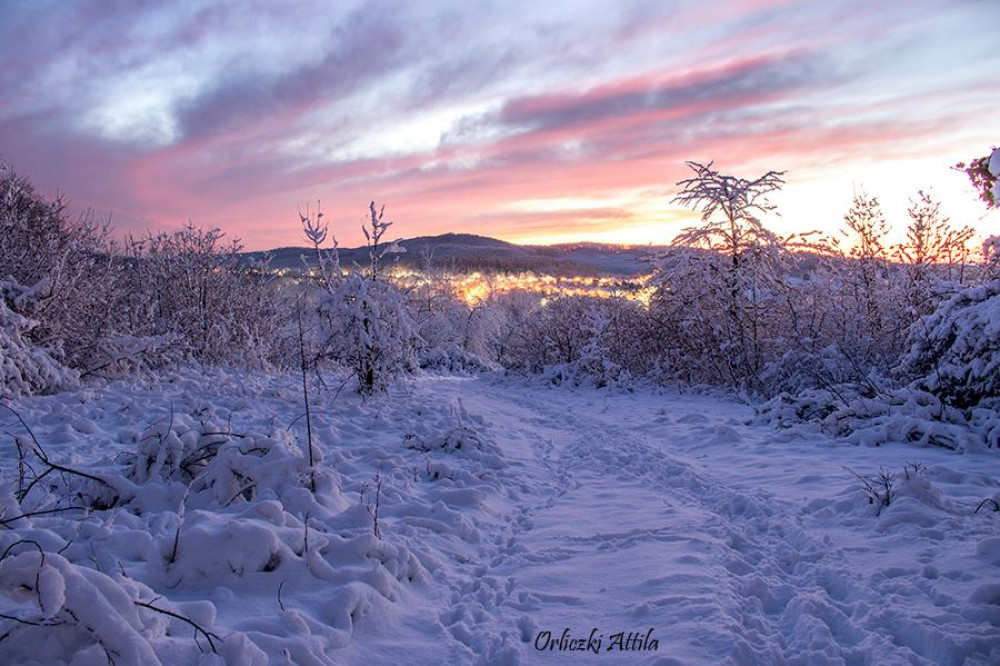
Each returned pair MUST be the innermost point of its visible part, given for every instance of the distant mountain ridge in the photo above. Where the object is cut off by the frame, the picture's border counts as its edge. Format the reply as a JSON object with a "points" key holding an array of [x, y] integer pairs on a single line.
{"points": [[469, 252]]}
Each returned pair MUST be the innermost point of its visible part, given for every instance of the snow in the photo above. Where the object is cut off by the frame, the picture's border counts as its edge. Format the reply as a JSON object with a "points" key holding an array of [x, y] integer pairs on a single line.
{"points": [[515, 522], [25, 369]]}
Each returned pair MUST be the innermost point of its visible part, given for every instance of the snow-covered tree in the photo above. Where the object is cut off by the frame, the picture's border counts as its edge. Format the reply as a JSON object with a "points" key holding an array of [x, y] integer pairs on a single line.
{"points": [[845, 327], [955, 351], [364, 321], [367, 328], [723, 287], [934, 254], [991, 258]]}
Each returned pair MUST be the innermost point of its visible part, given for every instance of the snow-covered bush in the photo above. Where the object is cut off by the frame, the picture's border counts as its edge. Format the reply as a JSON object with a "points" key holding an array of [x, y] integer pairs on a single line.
{"points": [[57, 272], [367, 328], [991, 258], [26, 369], [455, 335], [220, 468], [559, 333], [67, 613], [509, 317], [904, 415], [943, 392], [364, 322], [194, 288], [104, 309], [721, 323], [955, 352], [584, 340], [933, 256], [454, 361]]}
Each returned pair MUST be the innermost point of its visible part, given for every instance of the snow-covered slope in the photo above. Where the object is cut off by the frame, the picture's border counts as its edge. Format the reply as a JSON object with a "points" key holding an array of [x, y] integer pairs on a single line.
{"points": [[514, 523]]}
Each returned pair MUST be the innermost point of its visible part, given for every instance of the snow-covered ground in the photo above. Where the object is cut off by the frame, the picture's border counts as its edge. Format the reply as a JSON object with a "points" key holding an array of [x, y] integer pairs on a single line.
{"points": [[514, 523]]}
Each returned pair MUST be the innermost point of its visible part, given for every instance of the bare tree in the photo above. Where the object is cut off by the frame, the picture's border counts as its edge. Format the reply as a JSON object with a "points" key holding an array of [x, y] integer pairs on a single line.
{"points": [[736, 230]]}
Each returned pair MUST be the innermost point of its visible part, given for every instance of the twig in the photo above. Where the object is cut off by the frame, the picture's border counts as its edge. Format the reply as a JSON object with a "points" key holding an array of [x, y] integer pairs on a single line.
{"points": [[41, 564], [305, 538], [44, 458], [373, 509], [177, 616], [21, 620], [996, 505], [241, 491], [38, 446], [305, 396], [180, 522], [32, 514], [30, 542], [885, 479]]}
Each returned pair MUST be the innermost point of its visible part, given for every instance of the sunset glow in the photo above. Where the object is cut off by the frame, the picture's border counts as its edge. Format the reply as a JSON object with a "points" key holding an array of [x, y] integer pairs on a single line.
{"points": [[530, 122]]}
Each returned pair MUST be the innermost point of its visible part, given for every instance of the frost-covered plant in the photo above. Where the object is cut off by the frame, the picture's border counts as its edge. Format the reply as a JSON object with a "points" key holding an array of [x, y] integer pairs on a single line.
{"points": [[942, 392], [374, 230], [735, 230], [102, 308], [193, 285], [364, 321], [905, 415], [724, 292], [367, 328], [57, 271], [955, 351], [843, 321], [557, 333], [512, 312], [588, 340], [66, 611], [878, 488], [26, 369], [991, 258], [219, 467], [984, 172], [932, 248], [316, 232]]}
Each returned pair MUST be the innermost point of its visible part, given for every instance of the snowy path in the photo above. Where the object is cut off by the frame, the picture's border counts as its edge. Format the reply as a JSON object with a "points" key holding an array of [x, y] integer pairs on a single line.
{"points": [[623, 530]]}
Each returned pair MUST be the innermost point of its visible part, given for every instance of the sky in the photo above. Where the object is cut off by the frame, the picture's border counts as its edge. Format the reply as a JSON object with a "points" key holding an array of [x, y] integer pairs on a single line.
{"points": [[530, 121]]}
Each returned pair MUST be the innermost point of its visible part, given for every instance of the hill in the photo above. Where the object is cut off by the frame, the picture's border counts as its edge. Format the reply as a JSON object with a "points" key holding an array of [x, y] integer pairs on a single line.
{"points": [[468, 252]]}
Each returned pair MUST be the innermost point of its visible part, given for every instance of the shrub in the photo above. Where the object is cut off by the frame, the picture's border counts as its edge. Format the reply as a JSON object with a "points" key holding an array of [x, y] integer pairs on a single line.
{"points": [[193, 289], [56, 271], [364, 322], [366, 327], [955, 351]]}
